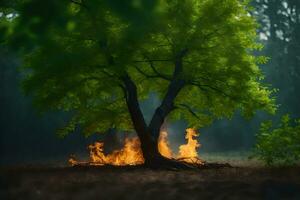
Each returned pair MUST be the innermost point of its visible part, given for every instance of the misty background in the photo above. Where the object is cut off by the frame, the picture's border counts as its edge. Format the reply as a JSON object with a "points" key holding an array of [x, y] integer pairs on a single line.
{"points": [[29, 136]]}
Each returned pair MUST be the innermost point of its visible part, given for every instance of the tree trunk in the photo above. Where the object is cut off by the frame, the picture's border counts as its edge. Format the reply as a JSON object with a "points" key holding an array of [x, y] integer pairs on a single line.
{"points": [[148, 143], [149, 135]]}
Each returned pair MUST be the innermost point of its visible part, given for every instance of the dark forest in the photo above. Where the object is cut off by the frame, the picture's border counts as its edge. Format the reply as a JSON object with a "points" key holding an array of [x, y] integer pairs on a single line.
{"points": [[84, 81]]}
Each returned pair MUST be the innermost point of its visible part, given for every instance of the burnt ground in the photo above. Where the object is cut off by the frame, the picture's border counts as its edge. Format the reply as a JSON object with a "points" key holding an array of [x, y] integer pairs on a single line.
{"points": [[141, 183]]}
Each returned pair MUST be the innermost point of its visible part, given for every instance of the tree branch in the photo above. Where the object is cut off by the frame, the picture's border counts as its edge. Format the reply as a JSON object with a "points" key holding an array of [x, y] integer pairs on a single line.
{"points": [[153, 60], [212, 88], [167, 104], [108, 74], [80, 3], [169, 40], [151, 64], [190, 110], [145, 74]]}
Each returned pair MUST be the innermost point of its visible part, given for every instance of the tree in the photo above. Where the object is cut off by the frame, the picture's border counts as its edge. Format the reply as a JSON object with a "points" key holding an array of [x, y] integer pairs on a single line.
{"points": [[99, 59], [280, 29]]}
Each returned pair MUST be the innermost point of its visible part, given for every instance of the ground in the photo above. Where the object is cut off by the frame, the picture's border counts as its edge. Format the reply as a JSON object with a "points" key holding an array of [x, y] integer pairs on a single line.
{"points": [[140, 183], [247, 179]]}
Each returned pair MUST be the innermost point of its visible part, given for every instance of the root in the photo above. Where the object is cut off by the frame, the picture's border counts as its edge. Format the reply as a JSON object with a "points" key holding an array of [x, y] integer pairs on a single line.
{"points": [[182, 164], [161, 163], [169, 164]]}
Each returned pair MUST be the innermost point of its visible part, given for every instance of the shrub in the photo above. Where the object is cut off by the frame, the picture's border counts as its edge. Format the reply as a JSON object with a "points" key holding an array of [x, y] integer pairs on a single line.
{"points": [[279, 145]]}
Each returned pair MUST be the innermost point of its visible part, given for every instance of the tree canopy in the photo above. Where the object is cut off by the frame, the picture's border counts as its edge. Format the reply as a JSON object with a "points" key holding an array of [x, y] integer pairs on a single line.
{"points": [[79, 56]]}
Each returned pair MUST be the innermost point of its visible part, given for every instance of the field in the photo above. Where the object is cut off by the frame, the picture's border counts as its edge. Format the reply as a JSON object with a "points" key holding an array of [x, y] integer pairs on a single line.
{"points": [[247, 181]]}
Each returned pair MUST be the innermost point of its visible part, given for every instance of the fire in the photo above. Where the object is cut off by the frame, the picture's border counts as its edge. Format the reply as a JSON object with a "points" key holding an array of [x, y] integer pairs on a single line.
{"points": [[188, 152], [72, 160], [131, 153], [163, 145]]}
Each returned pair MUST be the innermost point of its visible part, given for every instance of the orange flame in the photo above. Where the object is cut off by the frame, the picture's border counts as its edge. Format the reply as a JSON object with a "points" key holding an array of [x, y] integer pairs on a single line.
{"points": [[72, 160], [131, 153], [188, 152], [163, 145]]}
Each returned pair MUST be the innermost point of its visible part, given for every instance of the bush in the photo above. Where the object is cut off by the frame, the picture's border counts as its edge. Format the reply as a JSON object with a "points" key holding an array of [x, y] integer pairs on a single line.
{"points": [[279, 145]]}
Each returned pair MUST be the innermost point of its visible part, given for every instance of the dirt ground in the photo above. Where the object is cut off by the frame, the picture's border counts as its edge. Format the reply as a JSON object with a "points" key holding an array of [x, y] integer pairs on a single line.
{"points": [[140, 183]]}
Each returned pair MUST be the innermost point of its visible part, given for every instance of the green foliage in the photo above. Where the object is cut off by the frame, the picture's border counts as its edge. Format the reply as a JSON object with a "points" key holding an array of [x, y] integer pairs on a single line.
{"points": [[76, 52], [279, 145]]}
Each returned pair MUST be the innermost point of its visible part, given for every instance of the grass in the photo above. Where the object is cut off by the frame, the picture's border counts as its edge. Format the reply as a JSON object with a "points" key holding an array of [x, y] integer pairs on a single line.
{"points": [[239, 159]]}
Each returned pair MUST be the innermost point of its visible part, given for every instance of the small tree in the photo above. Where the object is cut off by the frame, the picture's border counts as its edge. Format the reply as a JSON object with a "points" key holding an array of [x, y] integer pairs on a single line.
{"points": [[99, 59], [279, 145]]}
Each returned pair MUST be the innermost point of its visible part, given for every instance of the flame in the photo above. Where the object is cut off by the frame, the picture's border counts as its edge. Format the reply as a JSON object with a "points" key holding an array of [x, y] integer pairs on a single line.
{"points": [[188, 152], [131, 153], [72, 160], [163, 145]]}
